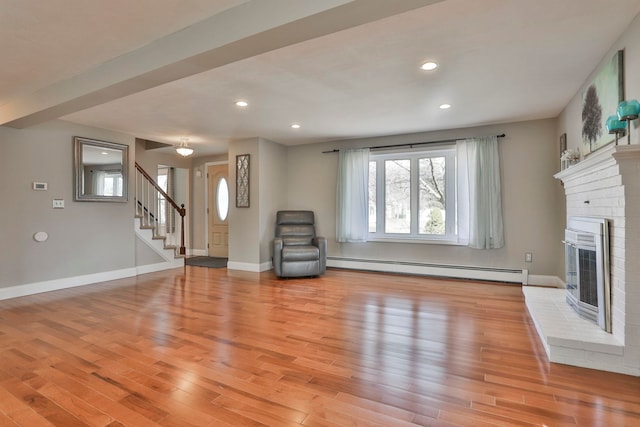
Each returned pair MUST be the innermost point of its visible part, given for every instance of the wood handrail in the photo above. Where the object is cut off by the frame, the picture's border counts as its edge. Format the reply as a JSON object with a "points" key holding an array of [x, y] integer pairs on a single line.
{"points": [[160, 190], [180, 209]]}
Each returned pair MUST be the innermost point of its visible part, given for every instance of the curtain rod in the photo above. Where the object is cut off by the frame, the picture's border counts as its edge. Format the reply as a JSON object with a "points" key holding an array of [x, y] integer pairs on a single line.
{"points": [[411, 145]]}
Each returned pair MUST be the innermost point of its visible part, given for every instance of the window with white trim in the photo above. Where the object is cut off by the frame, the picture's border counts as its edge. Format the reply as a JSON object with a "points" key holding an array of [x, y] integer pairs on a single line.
{"points": [[412, 195]]}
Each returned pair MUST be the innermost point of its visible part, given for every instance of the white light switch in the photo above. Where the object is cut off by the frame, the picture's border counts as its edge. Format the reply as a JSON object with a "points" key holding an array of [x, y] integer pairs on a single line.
{"points": [[58, 203]]}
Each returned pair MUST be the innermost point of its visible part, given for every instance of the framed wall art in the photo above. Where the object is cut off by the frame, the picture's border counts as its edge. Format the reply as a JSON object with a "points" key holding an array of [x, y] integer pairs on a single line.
{"points": [[242, 181], [600, 99]]}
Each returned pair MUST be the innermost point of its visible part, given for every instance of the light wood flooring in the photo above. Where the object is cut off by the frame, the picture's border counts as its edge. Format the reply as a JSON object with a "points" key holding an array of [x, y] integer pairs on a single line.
{"points": [[214, 347]]}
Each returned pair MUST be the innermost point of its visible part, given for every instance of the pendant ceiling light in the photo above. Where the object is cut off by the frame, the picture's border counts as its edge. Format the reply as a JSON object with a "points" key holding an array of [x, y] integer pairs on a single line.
{"points": [[183, 149]]}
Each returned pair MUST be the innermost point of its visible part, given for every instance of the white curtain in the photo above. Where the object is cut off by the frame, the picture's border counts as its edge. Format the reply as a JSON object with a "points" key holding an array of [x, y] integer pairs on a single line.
{"points": [[352, 217], [97, 182], [479, 193]]}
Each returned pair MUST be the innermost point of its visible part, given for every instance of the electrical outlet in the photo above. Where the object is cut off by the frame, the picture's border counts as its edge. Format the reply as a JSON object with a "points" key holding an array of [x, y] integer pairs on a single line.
{"points": [[528, 257]]}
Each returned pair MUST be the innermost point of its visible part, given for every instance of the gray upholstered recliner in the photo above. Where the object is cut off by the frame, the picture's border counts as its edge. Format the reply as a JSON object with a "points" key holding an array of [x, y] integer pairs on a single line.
{"points": [[297, 252]]}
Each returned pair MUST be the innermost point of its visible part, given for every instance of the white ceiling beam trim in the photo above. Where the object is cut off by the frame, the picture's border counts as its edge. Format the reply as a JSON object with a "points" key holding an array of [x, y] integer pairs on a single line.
{"points": [[244, 31]]}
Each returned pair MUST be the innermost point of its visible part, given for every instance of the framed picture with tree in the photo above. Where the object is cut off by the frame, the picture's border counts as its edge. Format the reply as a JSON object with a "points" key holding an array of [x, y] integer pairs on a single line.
{"points": [[600, 99]]}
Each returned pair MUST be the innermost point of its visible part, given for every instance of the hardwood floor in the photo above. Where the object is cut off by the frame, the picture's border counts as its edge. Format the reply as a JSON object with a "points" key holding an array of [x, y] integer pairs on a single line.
{"points": [[212, 347]]}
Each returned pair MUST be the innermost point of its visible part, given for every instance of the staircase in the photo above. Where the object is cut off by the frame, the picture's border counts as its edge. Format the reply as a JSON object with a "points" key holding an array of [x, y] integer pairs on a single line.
{"points": [[159, 221]]}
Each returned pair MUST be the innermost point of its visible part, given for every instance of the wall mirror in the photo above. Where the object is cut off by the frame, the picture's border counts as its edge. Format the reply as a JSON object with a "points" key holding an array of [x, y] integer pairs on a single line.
{"points": [[101, 170]]}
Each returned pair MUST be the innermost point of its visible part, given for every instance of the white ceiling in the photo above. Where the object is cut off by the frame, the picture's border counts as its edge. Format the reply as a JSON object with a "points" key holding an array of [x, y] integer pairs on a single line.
{"points": [[117, 65]]}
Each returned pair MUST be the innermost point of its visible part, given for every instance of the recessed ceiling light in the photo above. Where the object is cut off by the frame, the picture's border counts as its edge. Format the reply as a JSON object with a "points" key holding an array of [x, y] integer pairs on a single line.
{"points": [[445, 106], [295, 126], [242, 103], [429, 66]]}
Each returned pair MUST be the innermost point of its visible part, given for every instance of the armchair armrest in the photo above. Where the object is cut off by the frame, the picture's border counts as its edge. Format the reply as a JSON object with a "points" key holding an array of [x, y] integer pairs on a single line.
{"points": [[278, 244], [321, 244]]}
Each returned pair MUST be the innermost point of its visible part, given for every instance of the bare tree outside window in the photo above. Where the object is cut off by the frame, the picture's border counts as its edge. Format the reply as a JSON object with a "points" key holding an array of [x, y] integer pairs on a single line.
{"points": [[398, 196], [431, 209], [412, 195]]}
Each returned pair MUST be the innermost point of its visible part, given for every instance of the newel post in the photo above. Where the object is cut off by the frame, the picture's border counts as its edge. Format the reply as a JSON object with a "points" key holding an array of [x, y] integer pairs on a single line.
{"points": [[183, 250]]}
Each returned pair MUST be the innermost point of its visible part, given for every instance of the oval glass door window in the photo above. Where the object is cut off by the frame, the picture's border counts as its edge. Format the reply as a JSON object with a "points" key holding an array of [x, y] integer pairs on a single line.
{"points": [[222, 202]]}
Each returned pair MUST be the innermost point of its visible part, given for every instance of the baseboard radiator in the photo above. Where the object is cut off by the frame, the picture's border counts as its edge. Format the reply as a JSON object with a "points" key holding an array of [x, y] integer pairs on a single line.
{"points": [[426, 269]]}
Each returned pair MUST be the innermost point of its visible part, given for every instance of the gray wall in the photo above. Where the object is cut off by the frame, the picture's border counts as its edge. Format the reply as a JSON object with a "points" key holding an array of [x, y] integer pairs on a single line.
{"points": [[93, 237], [84, 237], [251, 230], [145, 255], [244, 223], [529, 156], [273, 192]]}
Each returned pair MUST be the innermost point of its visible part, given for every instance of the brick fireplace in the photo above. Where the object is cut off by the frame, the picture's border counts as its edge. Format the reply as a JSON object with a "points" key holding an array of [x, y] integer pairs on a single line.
{"points": [[604, 185]]}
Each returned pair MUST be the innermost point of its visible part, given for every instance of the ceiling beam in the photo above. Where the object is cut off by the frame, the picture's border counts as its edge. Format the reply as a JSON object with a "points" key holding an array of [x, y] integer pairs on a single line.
{"points": [[247, 30]]}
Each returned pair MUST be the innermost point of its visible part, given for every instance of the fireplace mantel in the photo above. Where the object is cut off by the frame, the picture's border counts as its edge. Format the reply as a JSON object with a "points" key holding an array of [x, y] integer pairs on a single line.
{"points": [[606, 184], [599, 160]]}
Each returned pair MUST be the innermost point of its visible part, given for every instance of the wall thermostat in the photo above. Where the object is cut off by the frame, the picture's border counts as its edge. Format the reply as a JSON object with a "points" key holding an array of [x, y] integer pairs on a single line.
{"points": [[42, 186]]}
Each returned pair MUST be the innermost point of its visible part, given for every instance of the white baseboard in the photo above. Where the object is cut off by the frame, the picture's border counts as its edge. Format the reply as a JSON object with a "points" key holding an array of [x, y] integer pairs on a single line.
{"points": [[197, 252], [246, 266], [152, 268], [424, 269], [87, 279], [503, 275], [67, 282]]}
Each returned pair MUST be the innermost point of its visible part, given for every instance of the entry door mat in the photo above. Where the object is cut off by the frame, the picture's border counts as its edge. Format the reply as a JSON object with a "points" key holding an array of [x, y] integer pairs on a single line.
{"points": [[207, 261]]}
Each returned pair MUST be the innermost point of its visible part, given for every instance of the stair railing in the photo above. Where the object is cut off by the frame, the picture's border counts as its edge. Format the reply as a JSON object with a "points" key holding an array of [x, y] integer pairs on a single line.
{"points": [[158, 211]]}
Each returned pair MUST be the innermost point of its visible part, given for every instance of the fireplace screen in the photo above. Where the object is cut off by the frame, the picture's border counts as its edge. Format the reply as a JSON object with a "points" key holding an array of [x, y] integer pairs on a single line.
{"points": [[587, 269], [588, 277]]}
